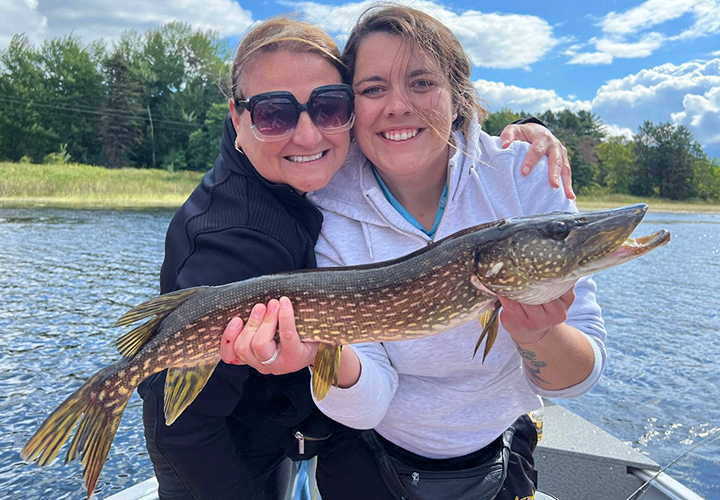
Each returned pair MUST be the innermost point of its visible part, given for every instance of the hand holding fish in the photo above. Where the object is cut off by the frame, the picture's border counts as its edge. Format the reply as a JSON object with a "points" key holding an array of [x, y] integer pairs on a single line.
{"points": [[555, 355], [265, 326], [270, 329], [529, 324]]}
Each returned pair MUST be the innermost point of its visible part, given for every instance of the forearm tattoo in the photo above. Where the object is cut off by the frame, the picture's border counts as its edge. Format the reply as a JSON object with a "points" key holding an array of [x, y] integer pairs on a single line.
{"points": [[532, 364]]}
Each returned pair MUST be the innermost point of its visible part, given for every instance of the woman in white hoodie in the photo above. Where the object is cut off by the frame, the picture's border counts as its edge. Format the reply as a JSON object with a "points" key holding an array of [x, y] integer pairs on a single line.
{"points": [[422, 169]]}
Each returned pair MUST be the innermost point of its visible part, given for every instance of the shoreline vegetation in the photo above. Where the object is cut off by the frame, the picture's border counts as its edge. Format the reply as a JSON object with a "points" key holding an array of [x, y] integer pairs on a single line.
{"points": [[76, 186]]}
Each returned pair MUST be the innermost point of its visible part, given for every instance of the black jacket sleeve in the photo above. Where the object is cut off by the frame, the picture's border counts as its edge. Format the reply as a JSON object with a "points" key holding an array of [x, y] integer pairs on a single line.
{"points": [[198, 445], [529, 119]]}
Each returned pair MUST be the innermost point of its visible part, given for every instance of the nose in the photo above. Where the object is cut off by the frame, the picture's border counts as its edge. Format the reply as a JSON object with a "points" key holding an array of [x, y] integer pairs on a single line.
{"points": [[306, 133], [398, 103]]}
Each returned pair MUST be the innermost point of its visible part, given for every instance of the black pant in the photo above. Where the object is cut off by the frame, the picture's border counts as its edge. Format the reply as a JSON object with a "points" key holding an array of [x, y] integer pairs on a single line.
{"points": [[347, 469], [265, 472]]}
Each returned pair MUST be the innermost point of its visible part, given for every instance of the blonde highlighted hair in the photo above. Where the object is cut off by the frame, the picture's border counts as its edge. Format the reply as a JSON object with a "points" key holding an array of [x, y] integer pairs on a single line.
{"points": [[276, 34]]}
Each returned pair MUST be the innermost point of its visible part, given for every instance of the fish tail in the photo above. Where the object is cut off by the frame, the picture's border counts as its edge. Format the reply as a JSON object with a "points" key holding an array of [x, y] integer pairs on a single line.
{"points": [[97, 406]]}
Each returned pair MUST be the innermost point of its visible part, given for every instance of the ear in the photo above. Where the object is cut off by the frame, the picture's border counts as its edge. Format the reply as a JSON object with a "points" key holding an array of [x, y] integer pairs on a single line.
{"points": [[234, 113], [235, 117]]}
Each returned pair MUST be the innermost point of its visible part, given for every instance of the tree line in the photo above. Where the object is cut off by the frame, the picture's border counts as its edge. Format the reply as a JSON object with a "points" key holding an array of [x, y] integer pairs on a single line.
{"points": [[659, 160], [143, 102], [158, 100]]}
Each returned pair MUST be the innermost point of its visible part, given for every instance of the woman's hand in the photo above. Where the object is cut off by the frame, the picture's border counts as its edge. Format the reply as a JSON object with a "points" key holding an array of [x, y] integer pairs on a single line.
{"points": [[542, 143], [529, 324], [256, 342]]}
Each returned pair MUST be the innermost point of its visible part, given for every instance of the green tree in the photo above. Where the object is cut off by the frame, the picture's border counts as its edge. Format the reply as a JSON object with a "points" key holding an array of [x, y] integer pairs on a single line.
{"points": [[204, 143], [580, 133], [73, 78], [667, 157], [183, 70], [24, 103], [618, 164], [496, 122], [123, 116], [707, 176]]}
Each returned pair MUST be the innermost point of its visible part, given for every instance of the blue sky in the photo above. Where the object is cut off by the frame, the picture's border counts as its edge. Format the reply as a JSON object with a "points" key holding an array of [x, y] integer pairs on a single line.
{"points": [[626, 61]]}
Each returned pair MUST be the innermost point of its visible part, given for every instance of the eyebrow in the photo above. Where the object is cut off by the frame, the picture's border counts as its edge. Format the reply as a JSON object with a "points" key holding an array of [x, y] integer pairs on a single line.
{"points": [[375, 78], [414, 73]]}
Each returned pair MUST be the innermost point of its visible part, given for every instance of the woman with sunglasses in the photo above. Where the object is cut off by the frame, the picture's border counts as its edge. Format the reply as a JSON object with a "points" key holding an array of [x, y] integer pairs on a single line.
{"points": [[423, 169], [287, 135]]}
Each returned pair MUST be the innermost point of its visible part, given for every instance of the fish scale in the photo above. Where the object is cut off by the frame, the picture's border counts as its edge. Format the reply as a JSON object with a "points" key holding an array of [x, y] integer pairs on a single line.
{"points": [[531, 259]]}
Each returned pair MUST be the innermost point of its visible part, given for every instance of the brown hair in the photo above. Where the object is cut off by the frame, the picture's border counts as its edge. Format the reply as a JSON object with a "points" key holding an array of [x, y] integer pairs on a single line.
{"points": [[435, 40], [281, 33]]}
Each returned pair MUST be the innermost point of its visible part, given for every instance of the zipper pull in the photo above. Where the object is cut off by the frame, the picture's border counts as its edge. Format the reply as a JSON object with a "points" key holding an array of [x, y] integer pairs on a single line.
{"points": [[301, 442], [415, 478]]}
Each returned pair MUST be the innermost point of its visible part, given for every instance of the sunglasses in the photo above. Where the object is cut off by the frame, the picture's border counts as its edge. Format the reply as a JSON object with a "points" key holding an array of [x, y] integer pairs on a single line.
{"points": [[274, 115]]}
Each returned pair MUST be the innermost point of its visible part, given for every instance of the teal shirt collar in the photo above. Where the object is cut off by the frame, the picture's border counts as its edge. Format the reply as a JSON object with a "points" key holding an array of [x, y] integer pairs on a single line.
{"points": [[407, 215]]}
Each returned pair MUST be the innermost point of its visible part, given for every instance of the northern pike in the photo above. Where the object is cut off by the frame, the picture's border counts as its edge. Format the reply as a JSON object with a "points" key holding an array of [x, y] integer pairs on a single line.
{"points": [[532, 259]]}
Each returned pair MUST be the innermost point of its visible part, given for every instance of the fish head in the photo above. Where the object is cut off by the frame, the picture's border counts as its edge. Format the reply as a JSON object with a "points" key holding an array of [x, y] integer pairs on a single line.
{"points": [[536, 259]]}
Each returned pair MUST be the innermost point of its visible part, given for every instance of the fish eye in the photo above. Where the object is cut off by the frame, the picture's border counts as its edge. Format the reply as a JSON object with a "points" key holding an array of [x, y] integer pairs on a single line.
{"points": [[558, 230]]}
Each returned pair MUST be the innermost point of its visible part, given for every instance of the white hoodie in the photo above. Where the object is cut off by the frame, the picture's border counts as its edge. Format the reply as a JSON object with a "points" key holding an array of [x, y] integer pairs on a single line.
{"points": [[430, 396]]}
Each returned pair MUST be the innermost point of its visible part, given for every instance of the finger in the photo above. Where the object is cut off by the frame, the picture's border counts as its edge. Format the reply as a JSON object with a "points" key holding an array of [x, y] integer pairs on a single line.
{"points": [[554, 313], [507, 136], [567, 175], [263, 344], [242, 343], [568, 298], [534, 155], [296, 353], [229, 336], [554, 166], [256, 317], [514, 308], [286, 320]]}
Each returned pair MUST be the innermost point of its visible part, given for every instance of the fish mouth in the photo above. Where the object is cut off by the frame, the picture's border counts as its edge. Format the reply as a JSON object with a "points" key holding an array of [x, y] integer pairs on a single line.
{"points": [[630, 249], [634, 247]]}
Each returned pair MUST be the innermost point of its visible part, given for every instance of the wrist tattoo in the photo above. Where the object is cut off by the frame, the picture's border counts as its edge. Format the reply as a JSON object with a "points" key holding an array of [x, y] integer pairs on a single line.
{"points": [[533, 366]]}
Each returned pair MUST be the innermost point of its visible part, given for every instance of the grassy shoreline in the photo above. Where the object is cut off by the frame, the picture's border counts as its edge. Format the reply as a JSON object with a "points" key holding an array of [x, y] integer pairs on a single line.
{"points": [[88, 187], [85, 186]]}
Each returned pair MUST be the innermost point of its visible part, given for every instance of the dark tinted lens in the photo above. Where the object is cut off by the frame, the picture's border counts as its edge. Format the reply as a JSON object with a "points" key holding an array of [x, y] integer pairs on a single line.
{"points": [[331, 109], [274, 116]]}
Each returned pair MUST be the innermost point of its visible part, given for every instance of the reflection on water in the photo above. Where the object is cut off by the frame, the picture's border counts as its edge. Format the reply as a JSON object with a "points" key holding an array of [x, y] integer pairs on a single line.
{"points": [[65, 276]]}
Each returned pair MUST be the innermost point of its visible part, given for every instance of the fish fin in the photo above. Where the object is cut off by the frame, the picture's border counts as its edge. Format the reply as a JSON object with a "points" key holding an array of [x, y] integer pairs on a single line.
{"points": [[489, 320], [99, 420], [129, 344], [325, 372], [182, 385], [161, 305]]}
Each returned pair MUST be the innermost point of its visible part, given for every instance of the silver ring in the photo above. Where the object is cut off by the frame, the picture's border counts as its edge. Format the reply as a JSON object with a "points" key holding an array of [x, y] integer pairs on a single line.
{"points": [[273, 357]]}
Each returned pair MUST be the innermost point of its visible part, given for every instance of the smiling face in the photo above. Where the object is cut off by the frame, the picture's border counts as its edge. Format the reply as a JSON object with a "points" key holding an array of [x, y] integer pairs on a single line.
{"points": [[307, 159], [400, 97]]}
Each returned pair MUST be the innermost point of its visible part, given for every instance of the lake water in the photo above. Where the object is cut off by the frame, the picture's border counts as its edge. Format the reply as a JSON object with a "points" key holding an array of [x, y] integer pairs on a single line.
{"points": [[65, 276]]}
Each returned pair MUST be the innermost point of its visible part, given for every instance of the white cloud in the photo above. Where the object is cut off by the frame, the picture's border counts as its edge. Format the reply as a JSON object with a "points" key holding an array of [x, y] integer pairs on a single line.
{"points": [[686, 94], [646, 15], [642, 48], [701, 113], [618, 131], [497, 95], [625, 34], [590, 58], [707, 20], [21, 17], [107, 19], [492, 40]]}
